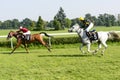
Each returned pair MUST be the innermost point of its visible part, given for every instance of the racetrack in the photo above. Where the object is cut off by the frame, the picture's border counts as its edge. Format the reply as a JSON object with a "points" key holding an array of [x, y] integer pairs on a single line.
{"points": [[63, 63]]}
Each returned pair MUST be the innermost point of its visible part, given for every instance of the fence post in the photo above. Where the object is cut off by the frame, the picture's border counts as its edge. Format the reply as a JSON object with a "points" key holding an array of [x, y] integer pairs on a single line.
{"points": [[50, 41], [11, 43]]}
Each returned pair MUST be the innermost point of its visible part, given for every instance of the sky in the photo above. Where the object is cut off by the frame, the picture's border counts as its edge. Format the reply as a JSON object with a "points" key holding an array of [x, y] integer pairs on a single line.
{"points": [[47, 9]]}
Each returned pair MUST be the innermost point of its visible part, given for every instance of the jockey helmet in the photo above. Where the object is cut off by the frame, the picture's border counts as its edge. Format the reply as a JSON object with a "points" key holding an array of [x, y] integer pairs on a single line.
{"points": [[81, 18], [21, 27]]}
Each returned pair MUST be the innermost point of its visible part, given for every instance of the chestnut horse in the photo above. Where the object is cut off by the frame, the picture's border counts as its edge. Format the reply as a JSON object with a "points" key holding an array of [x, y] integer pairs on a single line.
{"points": [[35, 37]]}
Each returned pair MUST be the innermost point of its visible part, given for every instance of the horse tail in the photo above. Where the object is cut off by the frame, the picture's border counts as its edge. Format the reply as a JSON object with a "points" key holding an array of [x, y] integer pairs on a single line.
{"points": [[45, 34], [113, 35]]}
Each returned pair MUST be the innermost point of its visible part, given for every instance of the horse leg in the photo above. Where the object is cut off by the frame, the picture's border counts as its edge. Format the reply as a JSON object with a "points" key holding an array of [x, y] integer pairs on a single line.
{"points": [[46, 45], [88, 48], [26, 47], [99, 47], [81, 46], [18, 44], [105, 47]]}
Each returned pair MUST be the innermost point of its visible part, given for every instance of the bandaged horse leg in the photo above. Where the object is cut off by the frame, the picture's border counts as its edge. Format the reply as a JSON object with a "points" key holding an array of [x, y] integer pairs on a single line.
{"points": [[88, 48], [81, 46], [105, 47], [99, 47]]}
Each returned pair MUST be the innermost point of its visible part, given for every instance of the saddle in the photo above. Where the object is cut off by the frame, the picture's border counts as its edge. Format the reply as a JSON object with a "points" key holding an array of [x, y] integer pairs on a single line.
{"points": [[92, 35], [26, 37]]}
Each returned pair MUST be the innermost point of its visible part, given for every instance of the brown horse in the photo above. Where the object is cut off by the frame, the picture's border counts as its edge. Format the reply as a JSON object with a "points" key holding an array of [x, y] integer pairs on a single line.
{"points": [[35, 37]]}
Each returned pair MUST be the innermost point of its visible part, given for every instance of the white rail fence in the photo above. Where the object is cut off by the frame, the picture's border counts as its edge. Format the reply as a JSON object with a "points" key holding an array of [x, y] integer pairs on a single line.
{"points": [[54, 34], [10, 40]]}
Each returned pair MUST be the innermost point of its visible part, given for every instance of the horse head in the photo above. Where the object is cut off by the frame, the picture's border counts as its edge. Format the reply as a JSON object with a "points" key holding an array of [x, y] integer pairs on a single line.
{"points": [[11, 34], [74, 28]]}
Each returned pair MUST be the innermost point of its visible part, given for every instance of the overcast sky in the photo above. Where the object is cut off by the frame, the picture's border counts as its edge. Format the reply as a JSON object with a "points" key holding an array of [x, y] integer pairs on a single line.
{"points": [[47, 9]]}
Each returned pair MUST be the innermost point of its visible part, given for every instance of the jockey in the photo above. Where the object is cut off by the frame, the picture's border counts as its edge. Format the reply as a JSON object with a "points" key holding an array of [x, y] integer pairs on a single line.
{"points": [[25, 31], [87, 24]]}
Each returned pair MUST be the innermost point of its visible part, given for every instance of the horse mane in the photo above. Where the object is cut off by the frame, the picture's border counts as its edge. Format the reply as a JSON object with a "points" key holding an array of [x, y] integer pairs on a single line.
{"points": [[19, 33], [78, 25], [16, 33]]}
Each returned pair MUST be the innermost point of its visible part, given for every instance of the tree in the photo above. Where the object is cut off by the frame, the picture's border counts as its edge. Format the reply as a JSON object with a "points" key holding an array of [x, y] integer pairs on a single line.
{"points": [[50, 24], [67, 22], [26, 22], [33, 24], [0, 24], [15, 23], [7, 24], [113, 20], [106, 20], [60, 16], [94, 19], [40, 24], [56, 24], [101, 20], [88, 16]]}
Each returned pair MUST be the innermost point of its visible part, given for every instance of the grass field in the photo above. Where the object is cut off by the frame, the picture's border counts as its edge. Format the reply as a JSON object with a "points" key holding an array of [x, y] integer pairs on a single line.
{"points": [[63, 63]]}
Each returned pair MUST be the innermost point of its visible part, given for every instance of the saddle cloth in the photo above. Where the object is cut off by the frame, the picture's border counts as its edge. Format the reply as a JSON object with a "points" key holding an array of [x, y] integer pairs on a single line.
{"points": [[92, 35], [26, 37]]}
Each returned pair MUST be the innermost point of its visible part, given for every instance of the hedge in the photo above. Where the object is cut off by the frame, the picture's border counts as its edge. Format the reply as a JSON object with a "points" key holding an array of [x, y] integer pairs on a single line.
{"points": [[54, 41]]}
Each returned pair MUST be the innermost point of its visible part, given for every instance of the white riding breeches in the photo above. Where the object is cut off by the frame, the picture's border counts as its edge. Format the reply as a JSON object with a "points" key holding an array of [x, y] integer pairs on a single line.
{"points": [[89, 27], [27, 33]]}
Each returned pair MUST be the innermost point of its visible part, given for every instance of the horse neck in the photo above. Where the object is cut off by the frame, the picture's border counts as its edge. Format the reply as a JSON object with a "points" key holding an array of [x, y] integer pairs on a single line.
{"points": [[80, 32], [15, 35]]}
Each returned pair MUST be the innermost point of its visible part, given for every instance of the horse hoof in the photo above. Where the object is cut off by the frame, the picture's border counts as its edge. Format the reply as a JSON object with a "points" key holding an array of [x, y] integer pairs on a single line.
{"points": [[49, 50], [11, 53]]}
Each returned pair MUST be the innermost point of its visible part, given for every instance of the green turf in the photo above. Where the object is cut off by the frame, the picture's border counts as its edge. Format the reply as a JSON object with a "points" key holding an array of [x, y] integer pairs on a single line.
{"points": [[65, 62]]}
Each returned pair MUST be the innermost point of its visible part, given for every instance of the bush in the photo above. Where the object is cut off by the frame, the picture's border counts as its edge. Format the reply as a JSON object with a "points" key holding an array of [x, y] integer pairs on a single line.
{"points": [[54, 41]]}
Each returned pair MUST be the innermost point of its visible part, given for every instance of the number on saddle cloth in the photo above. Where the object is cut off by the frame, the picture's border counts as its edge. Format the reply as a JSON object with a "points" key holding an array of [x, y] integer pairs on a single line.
{"points": [[93, 35]]}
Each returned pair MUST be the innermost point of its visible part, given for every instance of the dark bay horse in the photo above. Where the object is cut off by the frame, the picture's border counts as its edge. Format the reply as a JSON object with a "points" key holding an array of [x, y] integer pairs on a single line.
{"points": [[34, 37]]}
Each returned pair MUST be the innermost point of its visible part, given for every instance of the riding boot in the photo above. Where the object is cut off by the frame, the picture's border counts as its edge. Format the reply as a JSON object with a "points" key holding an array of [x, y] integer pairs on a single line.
{"points": [[88, 34]]}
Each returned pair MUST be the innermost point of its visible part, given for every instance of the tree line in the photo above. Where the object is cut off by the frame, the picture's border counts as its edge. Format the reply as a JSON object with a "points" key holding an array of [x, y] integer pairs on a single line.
{"points": [[60, 21]]}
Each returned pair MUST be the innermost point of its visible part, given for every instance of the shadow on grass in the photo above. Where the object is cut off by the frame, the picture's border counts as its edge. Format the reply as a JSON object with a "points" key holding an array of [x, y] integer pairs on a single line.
{"points": [[14, 53], [77, 55]]}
